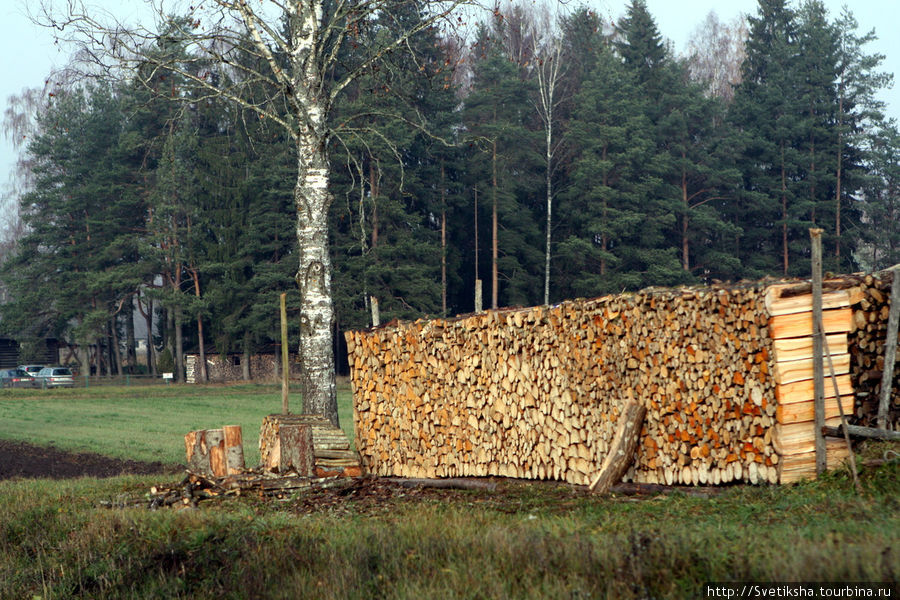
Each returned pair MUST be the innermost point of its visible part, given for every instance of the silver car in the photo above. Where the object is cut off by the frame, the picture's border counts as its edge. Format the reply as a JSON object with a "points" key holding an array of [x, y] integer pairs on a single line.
{"points": [[55, 377]]}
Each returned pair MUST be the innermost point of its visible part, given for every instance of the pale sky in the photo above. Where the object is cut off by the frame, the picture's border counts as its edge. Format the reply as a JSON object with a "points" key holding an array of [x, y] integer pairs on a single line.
{"points": [[29, 54]]}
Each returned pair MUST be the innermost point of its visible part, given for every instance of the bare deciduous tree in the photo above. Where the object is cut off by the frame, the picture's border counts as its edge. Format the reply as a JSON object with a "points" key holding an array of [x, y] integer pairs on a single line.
{"points": [[715, 54], [305, 53], [548, 70]]}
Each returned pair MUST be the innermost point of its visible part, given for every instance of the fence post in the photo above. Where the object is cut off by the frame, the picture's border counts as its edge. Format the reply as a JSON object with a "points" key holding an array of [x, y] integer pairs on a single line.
{"points": [[815, 236]]}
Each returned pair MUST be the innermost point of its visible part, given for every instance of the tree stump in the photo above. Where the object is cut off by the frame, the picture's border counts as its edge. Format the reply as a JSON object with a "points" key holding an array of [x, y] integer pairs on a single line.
{"points": [[205, 449], [287, 445], [234, 449]]}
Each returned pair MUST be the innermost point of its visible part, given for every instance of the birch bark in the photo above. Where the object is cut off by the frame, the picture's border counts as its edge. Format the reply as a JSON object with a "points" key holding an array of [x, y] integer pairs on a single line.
{"points": [[313, 199]]}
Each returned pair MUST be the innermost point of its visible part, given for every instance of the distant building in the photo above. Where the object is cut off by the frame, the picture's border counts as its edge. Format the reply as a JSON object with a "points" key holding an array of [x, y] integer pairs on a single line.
{"points": [[229, 368]]}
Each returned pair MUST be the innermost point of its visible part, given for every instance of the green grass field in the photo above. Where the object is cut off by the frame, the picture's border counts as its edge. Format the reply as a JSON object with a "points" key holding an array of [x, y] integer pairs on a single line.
{"points": [[527, 540], [145, 423]]}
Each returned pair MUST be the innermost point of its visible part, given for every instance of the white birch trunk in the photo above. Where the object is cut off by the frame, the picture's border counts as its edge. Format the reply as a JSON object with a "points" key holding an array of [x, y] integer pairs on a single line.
{"points": [[313, 200], [314, 280]]}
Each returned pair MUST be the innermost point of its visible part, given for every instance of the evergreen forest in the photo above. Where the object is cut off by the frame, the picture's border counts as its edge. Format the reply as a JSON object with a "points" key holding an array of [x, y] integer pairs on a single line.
{"points": [[547, 156]]}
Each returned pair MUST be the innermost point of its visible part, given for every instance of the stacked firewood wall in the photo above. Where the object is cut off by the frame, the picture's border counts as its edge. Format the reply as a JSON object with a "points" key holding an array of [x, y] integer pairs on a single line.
{"points": [[790, 307], [536, 393], [870, 319]]}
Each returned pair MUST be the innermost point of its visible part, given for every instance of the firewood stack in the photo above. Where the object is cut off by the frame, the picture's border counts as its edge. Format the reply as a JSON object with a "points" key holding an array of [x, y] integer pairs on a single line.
{"points": [[870, 318], [536, 393], [331, 448], [791, 328]]}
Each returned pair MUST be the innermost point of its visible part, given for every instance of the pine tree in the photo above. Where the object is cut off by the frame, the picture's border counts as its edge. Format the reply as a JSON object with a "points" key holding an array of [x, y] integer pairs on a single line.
{"points": [[766, 112], [75, 267], [506, 168], [858, 113], [604, 207]]}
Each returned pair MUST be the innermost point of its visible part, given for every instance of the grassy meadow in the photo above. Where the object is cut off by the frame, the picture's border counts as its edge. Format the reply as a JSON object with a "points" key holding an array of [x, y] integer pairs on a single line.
{"points": [[145, 423], [525, 540]]}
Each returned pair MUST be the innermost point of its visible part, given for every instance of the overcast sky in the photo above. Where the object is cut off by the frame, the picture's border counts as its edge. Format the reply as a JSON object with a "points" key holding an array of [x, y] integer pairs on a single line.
{"points": [[29, 54]]}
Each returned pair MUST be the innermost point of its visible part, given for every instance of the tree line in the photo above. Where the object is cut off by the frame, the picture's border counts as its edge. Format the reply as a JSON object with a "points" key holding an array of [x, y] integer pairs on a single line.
{"points": [[547, 156]]}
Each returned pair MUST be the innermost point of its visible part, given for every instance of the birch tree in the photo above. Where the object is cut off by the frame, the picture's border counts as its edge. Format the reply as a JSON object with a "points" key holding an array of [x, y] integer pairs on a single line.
{"points": [[298, 47], [548, 70]]}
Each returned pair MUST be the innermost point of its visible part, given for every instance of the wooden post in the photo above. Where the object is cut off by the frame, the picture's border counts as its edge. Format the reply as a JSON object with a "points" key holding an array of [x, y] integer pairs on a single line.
{"points": [[285, 366], [479, 298], [376, 315], [815, 236], [890, 349]]}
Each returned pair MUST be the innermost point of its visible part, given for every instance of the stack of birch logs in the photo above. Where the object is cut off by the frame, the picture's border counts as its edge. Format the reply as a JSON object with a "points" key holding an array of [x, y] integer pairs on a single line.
{"points": [[791, 328], [536, 393], [867, 340], [281, 446]]}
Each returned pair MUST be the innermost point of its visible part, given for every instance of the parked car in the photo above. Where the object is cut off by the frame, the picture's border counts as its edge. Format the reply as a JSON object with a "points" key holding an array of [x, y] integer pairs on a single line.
{"points": [[32, 370], [55, 377], [16, 378]]}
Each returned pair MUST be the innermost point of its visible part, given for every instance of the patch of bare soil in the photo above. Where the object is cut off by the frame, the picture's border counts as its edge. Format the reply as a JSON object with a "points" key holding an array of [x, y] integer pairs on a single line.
{"points": [[22, 460]]}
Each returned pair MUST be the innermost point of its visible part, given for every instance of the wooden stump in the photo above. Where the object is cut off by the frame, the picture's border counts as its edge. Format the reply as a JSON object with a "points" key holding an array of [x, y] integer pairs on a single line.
{"points": [[234, 449], [205, 449]]}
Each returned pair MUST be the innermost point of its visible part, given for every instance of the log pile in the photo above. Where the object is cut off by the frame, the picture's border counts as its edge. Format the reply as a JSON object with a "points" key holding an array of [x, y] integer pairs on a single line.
{"points": [[537, 393], [867, 339], [791, 328], [283, 435]]}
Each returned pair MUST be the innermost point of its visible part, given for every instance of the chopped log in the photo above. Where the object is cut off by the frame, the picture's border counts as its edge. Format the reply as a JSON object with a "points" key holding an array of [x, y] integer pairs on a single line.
{"points": [[205, 450], [234, 449], [454, 483], [797, 467], [621, 449], [777, 305], [798, 412], [802, 391], [789, 349], [297, 452], [329, 450], [798, 370], [856, 431], [651, 489], [800, 324], [291, 449]]}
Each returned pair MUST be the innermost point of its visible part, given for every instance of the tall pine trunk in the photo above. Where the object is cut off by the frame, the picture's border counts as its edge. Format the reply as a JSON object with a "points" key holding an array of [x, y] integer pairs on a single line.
{"points": [[685, 219], [204, 376], [494, 232], [115, 344], [837, 194], [130, 342], [784, 212], [443, 242], [246, 375]]}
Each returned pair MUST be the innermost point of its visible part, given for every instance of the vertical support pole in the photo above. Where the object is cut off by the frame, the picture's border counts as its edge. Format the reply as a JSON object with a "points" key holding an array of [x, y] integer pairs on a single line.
{"points": [[815, 236], [479, 298], [285, 366], [890, 349], [376, 315]]}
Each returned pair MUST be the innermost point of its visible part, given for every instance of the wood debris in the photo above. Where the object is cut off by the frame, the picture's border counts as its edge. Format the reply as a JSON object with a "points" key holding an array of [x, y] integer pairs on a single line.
{"points": [[196, 487]]}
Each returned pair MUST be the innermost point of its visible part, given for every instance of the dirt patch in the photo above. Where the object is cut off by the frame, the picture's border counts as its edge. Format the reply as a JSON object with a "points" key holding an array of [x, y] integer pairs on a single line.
{"points": [[21, 460]]}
